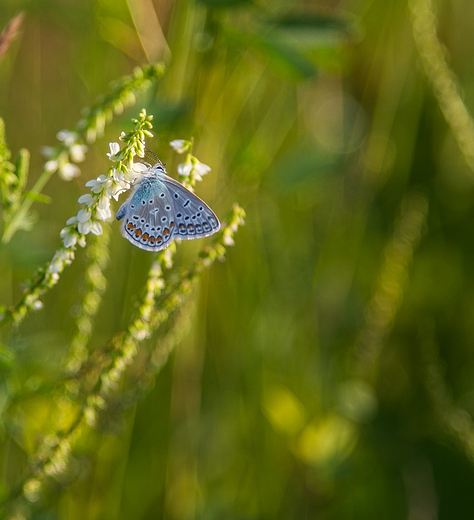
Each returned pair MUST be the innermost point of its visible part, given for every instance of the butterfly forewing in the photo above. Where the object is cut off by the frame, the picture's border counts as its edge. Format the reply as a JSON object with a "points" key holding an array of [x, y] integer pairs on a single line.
{"points": [[193, 217]]}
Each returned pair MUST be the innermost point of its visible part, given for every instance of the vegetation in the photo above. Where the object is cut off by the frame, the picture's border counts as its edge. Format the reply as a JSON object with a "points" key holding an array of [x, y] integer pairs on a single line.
{"points": [[323, 370]]}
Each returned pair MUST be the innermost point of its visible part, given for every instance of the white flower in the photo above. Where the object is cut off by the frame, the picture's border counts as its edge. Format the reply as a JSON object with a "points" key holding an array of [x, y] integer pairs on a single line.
{"points": [[96, 228], [117, 174], [68, 171], [51, 166], [70, 239], [71, 220], [185, 168], [69, 236], [114, 150], [180, 145], [85, 227], [78, 152], [103, 208], [228, 240], [104, 202], [139, 167], [133, 171], [98, 185], [120, 187], [85, 199], [60, 259], [83, 215], [200, 169], [193, 167], [67, 137]]}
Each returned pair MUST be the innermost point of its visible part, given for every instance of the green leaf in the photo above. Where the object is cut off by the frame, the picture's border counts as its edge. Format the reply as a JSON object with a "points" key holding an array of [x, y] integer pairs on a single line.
{"points": [[37, 197], [7, 357], [286, 59], [317, 29], [282, 58]]}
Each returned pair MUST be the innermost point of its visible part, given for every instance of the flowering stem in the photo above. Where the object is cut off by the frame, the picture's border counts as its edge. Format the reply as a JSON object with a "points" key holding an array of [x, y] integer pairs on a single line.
{"points": [[14, 224], [123, 94], [52, 459], [86, 220], [95, 285]]}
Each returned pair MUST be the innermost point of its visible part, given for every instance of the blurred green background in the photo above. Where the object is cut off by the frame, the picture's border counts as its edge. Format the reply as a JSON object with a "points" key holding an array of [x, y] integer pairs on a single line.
{"points": [[326, 369]]}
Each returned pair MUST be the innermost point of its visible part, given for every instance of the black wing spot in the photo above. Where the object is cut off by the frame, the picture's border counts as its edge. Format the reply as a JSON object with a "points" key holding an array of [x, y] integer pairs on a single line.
{"points": [[162, 194], [186, 217], [142, 220], [143, 202], [176, 195], [200, 208], [186, 203], [167, 208], [163, 219], [136, 217], [198, 214], [179, 215]]}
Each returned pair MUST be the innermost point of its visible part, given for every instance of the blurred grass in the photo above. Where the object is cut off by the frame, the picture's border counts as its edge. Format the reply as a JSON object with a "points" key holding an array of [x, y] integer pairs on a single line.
{"points": [[322, 124]]}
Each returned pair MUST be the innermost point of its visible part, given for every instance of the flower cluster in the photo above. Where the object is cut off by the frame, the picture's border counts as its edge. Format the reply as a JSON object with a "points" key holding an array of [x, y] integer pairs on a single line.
{"points": [[97, 203], [236, 220], [62, 157], [192, 168]]}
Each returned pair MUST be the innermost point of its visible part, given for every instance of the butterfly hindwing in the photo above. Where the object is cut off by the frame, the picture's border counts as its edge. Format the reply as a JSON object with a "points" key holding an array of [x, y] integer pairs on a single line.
{"points": [[148, 216], [193, 217]]}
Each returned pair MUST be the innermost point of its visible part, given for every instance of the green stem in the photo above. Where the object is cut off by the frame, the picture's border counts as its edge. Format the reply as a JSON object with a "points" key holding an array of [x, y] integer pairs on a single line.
{"points": [[12, 227]]}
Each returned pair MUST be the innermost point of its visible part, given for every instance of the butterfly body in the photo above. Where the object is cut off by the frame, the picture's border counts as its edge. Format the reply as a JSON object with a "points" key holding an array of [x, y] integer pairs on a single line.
{"points": [[161, 209]]}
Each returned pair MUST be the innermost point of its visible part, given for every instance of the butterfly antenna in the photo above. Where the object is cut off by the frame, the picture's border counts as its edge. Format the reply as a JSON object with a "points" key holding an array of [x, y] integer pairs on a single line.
{"points": [[149, 153]]}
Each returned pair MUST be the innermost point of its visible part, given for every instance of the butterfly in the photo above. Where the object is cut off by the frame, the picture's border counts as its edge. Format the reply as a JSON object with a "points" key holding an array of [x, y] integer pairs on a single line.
{"points": [[161, 209]]}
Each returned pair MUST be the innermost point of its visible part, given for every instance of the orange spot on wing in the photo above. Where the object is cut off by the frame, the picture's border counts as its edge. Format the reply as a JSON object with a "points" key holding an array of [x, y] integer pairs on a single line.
{"points": [[145, 236], [166, 232], [152, 240], [138, 232]]}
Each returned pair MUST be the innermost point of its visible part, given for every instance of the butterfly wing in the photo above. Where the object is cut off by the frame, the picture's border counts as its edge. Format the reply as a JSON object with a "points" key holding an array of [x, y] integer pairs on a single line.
{"points": [[148, 216], [193, 217]]}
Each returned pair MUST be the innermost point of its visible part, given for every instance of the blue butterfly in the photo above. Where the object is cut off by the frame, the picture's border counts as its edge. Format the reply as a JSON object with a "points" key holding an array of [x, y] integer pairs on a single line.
{"points": [[161, 209]]}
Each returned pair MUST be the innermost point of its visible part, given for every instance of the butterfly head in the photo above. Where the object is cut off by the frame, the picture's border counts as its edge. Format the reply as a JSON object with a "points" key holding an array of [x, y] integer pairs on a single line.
{"points": [[157, 169]]}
